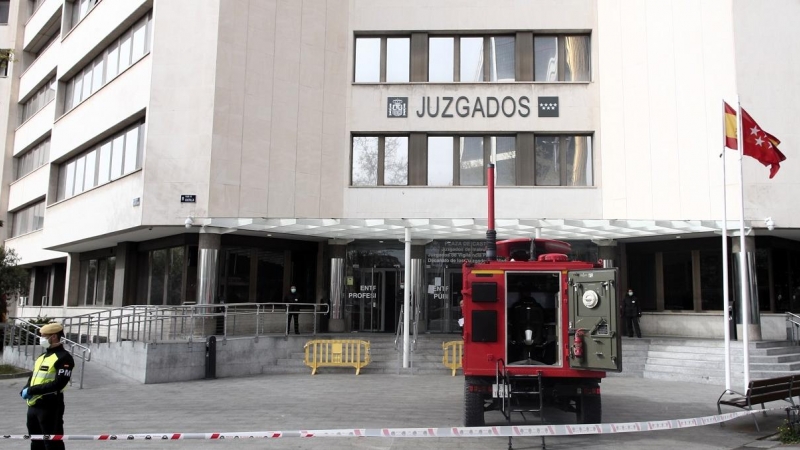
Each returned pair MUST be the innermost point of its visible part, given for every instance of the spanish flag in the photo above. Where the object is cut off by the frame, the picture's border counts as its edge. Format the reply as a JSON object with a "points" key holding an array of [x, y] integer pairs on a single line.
{"points": [[756, 142]]}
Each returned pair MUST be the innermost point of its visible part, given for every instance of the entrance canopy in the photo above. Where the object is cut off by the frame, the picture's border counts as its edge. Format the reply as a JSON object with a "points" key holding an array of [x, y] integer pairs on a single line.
{"points": [[564, 229]]}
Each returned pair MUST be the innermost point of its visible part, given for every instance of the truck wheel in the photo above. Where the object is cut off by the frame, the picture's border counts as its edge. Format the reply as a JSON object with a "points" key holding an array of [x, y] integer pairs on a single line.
{"points": [[589, 409], [473, 402]]}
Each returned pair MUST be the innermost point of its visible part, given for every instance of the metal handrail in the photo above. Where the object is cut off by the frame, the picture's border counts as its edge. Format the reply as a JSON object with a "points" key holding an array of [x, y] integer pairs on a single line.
{"points": [[26, 333], [794, 320], [148, 323]]}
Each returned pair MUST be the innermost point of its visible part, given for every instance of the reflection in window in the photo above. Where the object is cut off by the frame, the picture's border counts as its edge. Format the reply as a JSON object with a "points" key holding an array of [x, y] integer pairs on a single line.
{"points": [[120, 155], [502, 50], [577, 59], [368, 60], [471, 161], [545, 58], [504, 151], [175, 275], [28, 219], [548, 162], [575, 51], [96, 286], [158, 265], [471, 54], [395, 161], [236, 275], [440, 161], [39, 99], [563, 161], [365, 161], [440, 59], [398, 60], [31, 160]]}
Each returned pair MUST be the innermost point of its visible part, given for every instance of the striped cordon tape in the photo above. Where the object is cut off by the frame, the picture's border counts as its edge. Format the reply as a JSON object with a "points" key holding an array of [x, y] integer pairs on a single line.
{"points": [[449, 432]]}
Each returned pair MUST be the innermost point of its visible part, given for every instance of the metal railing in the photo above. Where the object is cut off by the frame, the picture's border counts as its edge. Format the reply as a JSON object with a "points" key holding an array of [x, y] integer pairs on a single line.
{"points": [[23, 337], [144, 323], [793, 321]]}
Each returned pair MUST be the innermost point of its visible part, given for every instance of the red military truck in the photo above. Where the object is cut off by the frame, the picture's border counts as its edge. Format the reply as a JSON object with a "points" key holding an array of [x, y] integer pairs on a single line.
{"points": [[539, 329]]}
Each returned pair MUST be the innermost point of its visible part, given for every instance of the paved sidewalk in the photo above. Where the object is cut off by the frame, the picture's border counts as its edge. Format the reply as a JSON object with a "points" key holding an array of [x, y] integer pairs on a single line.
{"points": [[110, 404]]}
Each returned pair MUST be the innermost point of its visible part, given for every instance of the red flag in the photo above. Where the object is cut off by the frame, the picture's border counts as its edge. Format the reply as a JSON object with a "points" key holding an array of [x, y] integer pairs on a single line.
{"points": [[757, 143]]}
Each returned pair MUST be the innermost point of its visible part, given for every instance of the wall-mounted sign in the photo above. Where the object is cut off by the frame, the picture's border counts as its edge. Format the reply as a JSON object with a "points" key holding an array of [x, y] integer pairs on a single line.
{"points": [[188, 198], [454, 252], [548, 106], [448, 107], [397, 107]]}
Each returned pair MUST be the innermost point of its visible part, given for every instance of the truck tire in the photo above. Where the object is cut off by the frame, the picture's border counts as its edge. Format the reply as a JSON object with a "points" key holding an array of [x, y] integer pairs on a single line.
{"points": [[473, 403], [589, 409]]}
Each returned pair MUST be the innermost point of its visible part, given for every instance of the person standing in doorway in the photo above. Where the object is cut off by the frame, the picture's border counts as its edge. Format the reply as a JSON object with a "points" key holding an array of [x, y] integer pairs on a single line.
{"points": [[632, 311], [44, 390], [292, 301]]}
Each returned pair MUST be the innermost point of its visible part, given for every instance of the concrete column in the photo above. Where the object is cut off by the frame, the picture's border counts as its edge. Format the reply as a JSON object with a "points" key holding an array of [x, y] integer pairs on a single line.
{"points": [[73, 279], [208, 249], [606, 251], [754, 329], [418, 284], [338, 249], [125, 275]]}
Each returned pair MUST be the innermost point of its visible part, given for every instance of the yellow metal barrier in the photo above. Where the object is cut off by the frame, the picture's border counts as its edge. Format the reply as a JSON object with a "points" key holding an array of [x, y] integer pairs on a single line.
{"points": [[453, 353], [337, 353]]}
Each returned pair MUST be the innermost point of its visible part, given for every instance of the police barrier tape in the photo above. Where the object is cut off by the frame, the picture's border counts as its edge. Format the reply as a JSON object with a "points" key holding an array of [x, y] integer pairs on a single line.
{"points": [[449, 432]]}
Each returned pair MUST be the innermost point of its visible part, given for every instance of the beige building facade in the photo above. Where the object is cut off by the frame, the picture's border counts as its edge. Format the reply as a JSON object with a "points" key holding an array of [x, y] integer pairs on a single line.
{"points": [[169, 152]]}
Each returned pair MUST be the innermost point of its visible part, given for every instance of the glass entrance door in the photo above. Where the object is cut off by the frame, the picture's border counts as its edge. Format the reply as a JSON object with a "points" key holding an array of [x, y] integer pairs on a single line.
{"points": [[370, 304], [444, 294]]}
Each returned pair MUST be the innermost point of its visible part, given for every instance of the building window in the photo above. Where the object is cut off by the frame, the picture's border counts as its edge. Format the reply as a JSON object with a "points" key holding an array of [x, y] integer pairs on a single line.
{"points": [[471, 161], [440, 160], [97, 282], [28, 219], [80, 8], [562, 58], [114, 59], [6, 56], [383, 59], [4, 7], [563, 160], [39, 99], [165, 275], [31, 160], [504, 156], [440, 59], [115, 157], [480, 58], [380, 161]]}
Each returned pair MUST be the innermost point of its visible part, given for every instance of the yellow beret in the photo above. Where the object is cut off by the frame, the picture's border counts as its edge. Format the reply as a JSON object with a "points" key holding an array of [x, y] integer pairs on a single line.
{"points": [[51, 328]]}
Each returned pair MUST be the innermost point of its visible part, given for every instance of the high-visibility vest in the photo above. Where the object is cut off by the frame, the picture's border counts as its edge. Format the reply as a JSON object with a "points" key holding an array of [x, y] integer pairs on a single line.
{"points": [[44, 371]]}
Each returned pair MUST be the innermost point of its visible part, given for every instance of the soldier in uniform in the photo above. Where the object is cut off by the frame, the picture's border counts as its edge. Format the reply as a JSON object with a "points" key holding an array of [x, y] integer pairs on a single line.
{"points": [[631, 310], [292, 299], [44, 390]]}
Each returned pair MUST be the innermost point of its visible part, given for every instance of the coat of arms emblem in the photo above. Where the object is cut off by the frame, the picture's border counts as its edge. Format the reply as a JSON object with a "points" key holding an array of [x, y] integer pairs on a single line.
{"points": [[397, 107]]}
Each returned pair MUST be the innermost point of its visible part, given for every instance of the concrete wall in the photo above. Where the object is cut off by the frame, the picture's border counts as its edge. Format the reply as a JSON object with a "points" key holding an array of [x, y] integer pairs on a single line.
{"points": [[182, 361], [706, 325], [767, 70]]}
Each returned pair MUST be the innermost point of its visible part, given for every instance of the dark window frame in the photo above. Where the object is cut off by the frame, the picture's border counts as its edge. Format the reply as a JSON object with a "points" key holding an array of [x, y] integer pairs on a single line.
{"points": [[562, 158], [561, 52]]}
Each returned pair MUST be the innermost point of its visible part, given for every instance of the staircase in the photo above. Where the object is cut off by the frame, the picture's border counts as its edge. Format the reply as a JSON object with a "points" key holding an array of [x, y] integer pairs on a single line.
{"points": [[426, 359], [703, 360]]}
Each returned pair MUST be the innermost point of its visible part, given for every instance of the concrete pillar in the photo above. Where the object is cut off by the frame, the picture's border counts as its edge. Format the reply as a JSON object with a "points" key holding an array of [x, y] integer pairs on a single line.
{"points": [[208, 249], [338, 250], [418, 285], [606, 251], [754, 329], [125, 275], [73, 279]]}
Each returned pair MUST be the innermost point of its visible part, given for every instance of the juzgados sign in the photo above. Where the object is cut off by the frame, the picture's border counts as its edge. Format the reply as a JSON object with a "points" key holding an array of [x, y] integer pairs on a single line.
{"points": [[463, 106]]}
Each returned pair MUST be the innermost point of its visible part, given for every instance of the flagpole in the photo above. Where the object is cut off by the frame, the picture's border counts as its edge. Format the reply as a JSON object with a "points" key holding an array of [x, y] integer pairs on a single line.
{"points": [[725, 299], [745, 287]]}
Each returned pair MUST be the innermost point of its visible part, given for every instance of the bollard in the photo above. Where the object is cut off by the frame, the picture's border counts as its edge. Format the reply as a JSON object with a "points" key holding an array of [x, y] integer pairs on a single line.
{"points": [[211, 358]]}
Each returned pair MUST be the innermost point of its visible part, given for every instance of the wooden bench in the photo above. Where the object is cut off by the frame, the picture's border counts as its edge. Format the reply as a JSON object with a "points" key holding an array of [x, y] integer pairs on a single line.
{"points": [[762, 391]]}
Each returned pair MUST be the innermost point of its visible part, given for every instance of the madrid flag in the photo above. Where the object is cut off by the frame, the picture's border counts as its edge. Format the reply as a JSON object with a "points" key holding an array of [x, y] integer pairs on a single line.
{"points": [[756, 142]]}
